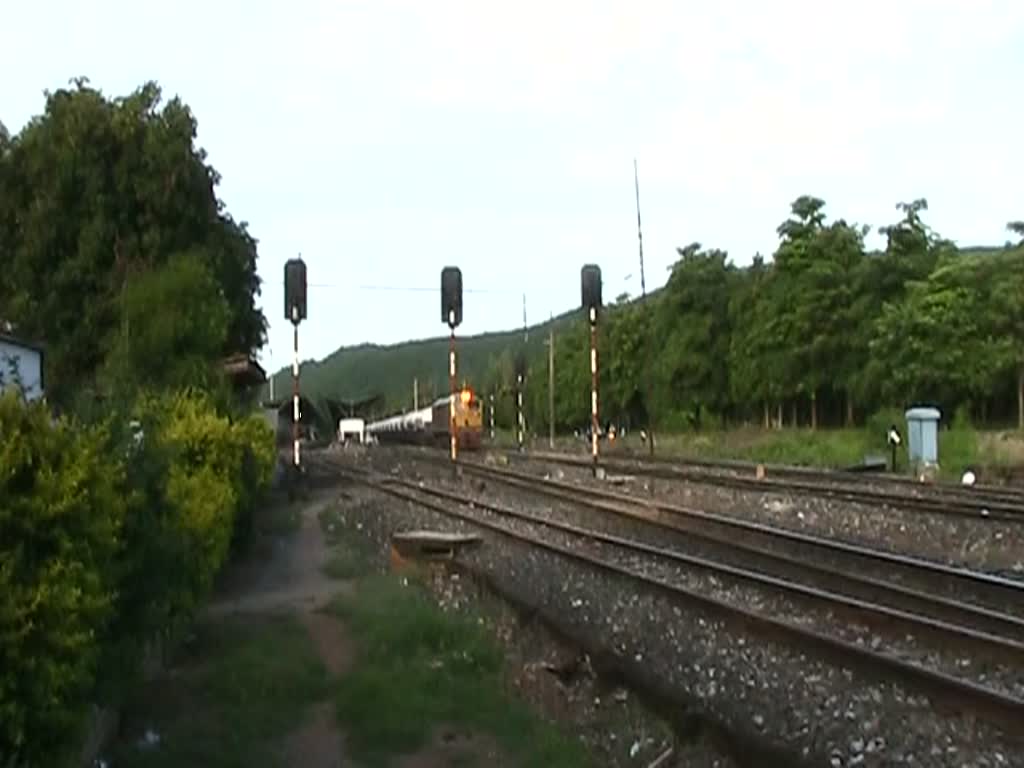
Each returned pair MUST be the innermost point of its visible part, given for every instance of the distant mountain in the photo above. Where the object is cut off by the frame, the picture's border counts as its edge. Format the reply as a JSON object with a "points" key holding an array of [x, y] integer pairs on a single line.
{"points": [[365, 370]]}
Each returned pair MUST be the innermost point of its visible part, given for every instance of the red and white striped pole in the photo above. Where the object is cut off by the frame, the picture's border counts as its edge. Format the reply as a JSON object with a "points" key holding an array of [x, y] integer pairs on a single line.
{"points": [[590, 283], [295, 388], [295, 311], [452, 427], [520, 418], [595, 422]]}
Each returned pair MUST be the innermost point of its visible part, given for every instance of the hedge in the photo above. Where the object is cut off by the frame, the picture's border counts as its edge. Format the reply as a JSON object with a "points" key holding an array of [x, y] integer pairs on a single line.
{"points": [[61, 512], [109, 537]]}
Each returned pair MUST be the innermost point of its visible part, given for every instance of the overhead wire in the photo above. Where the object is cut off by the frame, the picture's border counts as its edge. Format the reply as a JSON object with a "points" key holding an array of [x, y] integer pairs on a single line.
{"points": [[399, 288]]}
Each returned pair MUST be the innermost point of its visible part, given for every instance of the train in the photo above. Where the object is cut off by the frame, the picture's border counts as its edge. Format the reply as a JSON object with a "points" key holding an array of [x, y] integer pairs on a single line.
{"points": [[432, 425]]}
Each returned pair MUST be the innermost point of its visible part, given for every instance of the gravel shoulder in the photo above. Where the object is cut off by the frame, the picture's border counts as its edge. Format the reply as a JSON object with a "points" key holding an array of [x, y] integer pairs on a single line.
{"points": [[817, 711]]}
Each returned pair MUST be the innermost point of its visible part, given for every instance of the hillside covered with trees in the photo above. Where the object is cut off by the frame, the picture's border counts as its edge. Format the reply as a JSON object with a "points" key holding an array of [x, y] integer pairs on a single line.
{"points": [[822, 333], [365, 370]]}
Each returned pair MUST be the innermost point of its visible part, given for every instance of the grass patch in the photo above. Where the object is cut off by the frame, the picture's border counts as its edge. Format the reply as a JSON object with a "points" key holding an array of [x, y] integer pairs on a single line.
{"points": [[246, 686], [822, 447], [345, 562], [419, 668], [960, 446], [349, 555]]}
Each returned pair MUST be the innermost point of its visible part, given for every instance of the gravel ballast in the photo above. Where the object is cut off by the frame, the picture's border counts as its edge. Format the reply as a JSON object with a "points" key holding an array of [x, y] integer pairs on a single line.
{"points": [[616, 726], [977, 543], [933, 652], [753, 686]]}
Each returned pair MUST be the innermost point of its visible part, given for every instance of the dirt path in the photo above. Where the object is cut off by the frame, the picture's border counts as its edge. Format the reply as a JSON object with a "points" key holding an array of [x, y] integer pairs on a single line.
{"points": [[292, 580]]}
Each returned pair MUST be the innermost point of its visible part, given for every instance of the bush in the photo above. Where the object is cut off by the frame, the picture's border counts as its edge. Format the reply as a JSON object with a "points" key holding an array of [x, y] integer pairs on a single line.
{"points": [[255, 441], [109, 538], [878, 425], [210, 469], [180, 510], [153, 561], [61, 513]]}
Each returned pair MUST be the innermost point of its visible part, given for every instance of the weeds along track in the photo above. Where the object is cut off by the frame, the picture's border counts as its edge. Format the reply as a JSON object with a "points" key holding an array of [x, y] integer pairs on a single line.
{"points": [[1004, 505], [957, 665]]}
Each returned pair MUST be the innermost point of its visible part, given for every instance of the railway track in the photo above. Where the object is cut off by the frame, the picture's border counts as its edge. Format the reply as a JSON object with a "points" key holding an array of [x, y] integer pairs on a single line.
{"points": [[663, 569], [977, 505], [989, 491], [754, 539]]}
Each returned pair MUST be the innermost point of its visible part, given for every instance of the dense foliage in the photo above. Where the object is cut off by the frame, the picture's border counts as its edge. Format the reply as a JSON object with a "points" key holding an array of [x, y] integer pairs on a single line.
{"points": [[116, 516], [371, 369], [61, 514], [96, 191], [824, 333], [110, 539]]}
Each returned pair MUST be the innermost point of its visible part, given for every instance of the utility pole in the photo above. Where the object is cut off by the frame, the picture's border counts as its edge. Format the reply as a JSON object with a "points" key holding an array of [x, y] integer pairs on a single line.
{"points": [[639, 232], [551, 383], [492, 416], [415, 394], [649, 341]]}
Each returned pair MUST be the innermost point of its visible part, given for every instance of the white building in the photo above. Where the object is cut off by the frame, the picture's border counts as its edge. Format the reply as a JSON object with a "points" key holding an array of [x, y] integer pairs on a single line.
{"points": [[21, 364], [351, 428]]}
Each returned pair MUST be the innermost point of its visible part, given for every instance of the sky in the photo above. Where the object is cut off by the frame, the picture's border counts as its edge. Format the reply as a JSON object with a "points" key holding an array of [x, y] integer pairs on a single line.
{"points": [[384, 140]]}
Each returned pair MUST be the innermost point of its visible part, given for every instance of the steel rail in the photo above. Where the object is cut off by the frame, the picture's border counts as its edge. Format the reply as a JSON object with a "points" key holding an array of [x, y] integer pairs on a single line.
{"points": [[955, 693]]}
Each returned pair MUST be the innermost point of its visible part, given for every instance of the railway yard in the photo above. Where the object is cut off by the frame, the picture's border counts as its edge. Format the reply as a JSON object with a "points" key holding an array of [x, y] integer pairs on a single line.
{"points": [[798, 618]]}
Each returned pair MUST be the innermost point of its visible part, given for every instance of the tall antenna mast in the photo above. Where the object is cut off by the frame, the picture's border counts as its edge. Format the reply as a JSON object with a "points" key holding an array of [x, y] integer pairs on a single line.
{"points": [[526, 332], [639, 232], [649, 396]]}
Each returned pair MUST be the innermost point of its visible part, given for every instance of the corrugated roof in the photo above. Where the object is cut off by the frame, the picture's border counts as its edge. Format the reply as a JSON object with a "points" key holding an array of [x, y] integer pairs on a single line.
{"points": [[19, 342]]}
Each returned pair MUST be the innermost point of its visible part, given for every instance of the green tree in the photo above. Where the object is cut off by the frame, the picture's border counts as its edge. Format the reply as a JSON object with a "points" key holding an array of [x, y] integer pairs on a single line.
{"points": [[814, 300], [1007, 311], [693, 325], [754, 355], [938, 342], [160, 321], [911, 252], [95, 190], [631, 349]]}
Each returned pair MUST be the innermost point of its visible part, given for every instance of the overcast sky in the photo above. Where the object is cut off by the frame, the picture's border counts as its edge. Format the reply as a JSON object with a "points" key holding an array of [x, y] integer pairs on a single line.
{"points": [[384, 140]]}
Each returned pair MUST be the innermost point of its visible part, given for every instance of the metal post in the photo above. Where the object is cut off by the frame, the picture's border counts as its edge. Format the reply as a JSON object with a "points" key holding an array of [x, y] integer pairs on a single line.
{"points": [[639, 231], [295, 311], [647, 345], [594, 425], [492, 416], [295, 390], [451, 387], [551, 387], [520, 421]]}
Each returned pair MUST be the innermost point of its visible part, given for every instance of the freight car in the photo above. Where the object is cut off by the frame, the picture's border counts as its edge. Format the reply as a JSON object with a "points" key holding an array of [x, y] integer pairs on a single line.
{"points": [[432, 425]]}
